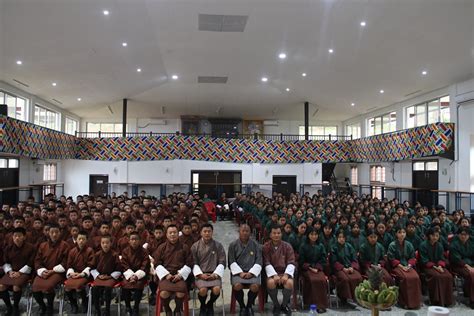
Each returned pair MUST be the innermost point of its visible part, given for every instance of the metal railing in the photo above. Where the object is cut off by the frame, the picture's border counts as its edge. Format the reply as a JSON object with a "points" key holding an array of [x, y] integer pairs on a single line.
{"points": [[275, 137], [13, 195]]}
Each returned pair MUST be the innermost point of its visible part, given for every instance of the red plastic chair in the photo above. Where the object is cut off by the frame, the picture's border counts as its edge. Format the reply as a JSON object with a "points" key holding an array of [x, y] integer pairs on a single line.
{"points": [[159, 306]]}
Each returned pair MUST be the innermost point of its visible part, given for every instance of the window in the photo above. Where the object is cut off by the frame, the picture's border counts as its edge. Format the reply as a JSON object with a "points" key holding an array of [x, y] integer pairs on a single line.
{"points": [[106, 129], [426, 165], [8, 163], [321, 131], [433, 111], [49, 172], [353, 130], [71, 126], [382, 124], [377, 179], [16, 106], [354, 177], [47, 118]]}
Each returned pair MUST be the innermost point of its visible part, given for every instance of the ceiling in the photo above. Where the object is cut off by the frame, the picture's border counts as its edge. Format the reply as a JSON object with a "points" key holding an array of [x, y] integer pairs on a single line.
{"points": [[75, 45]]}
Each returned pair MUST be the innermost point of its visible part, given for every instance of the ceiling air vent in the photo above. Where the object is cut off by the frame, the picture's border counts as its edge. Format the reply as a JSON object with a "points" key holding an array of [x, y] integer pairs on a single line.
{"points": [[212, 79], [57, 101], [222, 23], [22, 83]]}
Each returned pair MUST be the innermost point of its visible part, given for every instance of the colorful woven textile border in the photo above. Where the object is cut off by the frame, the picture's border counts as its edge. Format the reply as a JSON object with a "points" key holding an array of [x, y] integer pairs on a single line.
{"points": [[30, 140]]}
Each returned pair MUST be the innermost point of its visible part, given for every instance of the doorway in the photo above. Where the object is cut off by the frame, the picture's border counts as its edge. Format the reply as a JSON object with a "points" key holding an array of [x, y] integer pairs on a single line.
{"points": [[9, 180], [284, 185], [215, 182], [98, 184], [425, 179]]}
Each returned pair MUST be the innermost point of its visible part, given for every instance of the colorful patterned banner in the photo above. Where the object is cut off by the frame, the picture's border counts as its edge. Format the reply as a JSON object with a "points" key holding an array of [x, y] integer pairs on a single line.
{"points": [[30, 140]]}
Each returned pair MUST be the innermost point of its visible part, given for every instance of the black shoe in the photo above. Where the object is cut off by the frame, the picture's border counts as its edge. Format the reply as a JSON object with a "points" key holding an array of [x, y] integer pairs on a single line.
{"points": [[97, 312], [42, 310], [286, 310], [9, 311], [50, 311], [74, 309], [243, 311], [321, 310], [129, 311], [85, 308], [16, 311], [249, 311], [276, 310], [210, 309], [202, 310]]}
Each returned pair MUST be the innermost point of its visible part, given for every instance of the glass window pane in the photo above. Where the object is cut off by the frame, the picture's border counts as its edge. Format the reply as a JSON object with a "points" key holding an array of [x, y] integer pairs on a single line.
{"points": [[433, 111], [301, 130], [12, 163], [42, 119], [385, 124], [330, 130], [118, 128], [318, 130], [444, 109], [3, 163], [420, 115], [11, 105], [418, 166], [393, 122], [107, 127], [2, 97], [378, 125], [370, 127], [410, 117], [20, 109], [432, 165]]}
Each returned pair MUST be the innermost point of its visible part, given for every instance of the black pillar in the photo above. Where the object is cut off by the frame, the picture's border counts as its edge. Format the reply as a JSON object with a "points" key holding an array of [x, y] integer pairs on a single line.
{"points": [[306, 120], [124, 118]]}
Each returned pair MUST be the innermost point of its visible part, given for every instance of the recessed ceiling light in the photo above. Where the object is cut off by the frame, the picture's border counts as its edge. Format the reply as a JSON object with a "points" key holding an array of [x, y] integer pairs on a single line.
{"points": [[352, 104], [264, 79], [282, 56], [424, 72], [331, 51], [304, 74], [363, 23], [19, 62], [381, 91], [79, 99], [54, 84], [174, 77], [287, 89], [124, 44], [139, 70], [106, 12]]}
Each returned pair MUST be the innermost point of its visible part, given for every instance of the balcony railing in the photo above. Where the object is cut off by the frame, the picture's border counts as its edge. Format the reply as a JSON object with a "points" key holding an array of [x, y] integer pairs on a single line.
{"points": [[276, 137]]}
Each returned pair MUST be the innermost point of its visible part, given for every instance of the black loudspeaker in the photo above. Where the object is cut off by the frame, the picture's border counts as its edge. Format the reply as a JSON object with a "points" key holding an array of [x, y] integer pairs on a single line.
{"points": [[3, 109]]}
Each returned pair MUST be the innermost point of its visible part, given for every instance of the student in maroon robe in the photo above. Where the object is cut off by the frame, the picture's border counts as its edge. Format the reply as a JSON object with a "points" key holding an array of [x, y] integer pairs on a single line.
{"points": [[173, 261], [50, 263], [135, 267], [104, 230], [186, 235], [79, 263], [279, 262], [18, 265], [106, 275]]}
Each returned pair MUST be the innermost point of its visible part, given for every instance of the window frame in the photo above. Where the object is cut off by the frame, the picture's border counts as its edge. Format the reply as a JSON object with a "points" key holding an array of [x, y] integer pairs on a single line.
{"points": [[377, 123], [426, 112], [66, 118], [16, 96], [47, 174], [48, 113], [350, 130]]}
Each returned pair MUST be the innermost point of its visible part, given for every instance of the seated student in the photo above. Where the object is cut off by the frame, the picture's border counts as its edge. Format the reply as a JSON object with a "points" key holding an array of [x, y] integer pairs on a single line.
{"points": [[106, 274], [297, 240], [73, 232], [209, 264], [355, 238], [401, 255], [173, 262], [412, 236], [384, 238], [461, 258], [104, 230], [345, 268], [312, 260], [17, 264], [245, 263], [371, 254], [80, 260], [50, 263], [280, 264], [438, 278], [186, 234], [116, 231], [124, 241], [135, 265], [287, 233]]}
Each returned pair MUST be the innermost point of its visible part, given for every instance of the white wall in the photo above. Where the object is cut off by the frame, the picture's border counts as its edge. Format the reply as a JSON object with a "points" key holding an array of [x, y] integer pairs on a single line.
{"points": [[76, 173], [292, 127]]}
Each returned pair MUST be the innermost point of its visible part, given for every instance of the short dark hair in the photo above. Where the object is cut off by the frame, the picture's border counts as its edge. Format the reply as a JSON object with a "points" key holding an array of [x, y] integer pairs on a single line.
{"points": [[20, 230], [275, 226], [83, 233], [171, 226], [207, 225]]}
